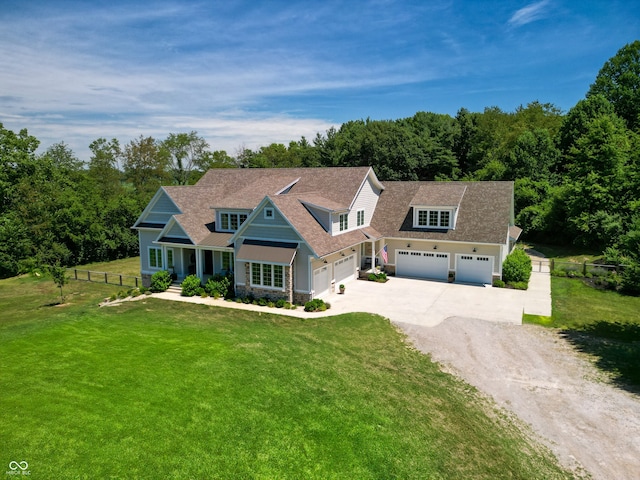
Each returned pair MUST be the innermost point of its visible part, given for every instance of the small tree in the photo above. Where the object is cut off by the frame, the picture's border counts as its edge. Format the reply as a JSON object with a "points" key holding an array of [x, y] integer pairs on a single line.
{"points": [[516, 267], [60, 278]]}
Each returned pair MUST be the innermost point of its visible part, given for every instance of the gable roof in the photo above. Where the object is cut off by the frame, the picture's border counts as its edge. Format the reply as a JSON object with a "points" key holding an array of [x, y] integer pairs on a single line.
{"points": [[484, 211]]}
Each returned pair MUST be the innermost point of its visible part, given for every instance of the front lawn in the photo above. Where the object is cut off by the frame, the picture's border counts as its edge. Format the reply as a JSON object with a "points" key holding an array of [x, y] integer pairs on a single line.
{"points": [[154, 389]]}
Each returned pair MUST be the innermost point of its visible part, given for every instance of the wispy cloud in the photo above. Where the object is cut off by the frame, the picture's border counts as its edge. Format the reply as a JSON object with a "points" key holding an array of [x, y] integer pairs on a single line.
{"points": [[530, 13]]}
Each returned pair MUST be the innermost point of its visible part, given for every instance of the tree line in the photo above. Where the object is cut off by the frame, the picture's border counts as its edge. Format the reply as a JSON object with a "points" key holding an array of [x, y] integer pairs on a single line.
{"points": [[576, 174]]}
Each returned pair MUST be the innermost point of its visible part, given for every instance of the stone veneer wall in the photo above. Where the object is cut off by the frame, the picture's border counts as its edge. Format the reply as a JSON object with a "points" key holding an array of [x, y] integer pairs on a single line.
{"points": [[146, 280], [273, 295]]}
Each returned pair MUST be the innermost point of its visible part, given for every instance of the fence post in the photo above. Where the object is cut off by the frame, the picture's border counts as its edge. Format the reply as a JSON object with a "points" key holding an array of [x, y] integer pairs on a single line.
{"points": [[136, 282], [552, 264], [584, 268], [88, 275], [120, 280], [75, 273]]}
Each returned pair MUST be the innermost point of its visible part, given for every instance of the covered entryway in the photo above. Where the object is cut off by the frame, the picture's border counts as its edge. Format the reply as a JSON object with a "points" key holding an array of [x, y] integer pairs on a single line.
{"points": [[474, 269], [345, 269], [321, 283], [422, 264]]}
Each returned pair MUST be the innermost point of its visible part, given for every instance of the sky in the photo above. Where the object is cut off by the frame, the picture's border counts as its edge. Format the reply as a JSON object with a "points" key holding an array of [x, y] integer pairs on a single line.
{"points": [[249, 73]]}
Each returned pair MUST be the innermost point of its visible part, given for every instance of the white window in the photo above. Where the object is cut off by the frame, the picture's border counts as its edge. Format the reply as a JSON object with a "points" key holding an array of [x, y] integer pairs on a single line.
{"points": [[155, 258], [360, 218], [230, 222], [268, 213], [267, 275], [433, 218], [344, 221], [227, 261]]}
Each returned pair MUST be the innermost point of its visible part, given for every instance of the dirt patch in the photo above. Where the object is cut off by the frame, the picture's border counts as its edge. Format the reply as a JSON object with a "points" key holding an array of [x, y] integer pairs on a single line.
{"points": [[536, 374]]}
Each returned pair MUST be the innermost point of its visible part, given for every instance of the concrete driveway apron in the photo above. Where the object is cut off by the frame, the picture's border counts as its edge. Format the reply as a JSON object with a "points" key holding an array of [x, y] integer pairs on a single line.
{"points": [[428, 303]]}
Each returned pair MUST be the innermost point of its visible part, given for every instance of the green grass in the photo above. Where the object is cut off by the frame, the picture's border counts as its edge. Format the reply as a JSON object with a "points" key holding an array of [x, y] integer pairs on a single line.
{"points": [[126, 266], [154, 389], [601, 323], [565, 253]]}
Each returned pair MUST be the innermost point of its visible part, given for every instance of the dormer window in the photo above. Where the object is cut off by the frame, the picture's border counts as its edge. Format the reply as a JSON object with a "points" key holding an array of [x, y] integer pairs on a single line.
{"points": [[268, 213], [231, 221], [433, 218]]}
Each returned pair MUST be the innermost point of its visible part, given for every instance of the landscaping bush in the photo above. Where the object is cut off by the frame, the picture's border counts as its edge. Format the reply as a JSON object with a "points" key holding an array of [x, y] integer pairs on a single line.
{"points": [[519, 285], [280, 303], [631, 279], [516, 267], [378, 277], [160, 281], [316, 305], [220, 284], [191, 286], [498, 283]]}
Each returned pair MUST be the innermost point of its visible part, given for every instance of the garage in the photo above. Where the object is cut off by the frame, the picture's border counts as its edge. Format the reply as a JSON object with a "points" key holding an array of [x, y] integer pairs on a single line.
{"points": [[345, 269], [422, 264], [321, 281], [474, 269]]}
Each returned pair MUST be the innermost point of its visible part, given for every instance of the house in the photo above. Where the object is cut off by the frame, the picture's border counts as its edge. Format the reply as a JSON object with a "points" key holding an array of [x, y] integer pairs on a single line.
{"points": [[297, 233]]}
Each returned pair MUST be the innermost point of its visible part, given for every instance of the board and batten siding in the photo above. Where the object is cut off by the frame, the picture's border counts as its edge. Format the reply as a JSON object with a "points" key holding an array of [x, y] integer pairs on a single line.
{"points": [[301, 273], [146, 238], [176, 231]]}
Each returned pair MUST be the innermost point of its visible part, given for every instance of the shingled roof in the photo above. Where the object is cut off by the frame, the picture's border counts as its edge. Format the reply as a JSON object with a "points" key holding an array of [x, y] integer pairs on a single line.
{"points": [[484, 211]]}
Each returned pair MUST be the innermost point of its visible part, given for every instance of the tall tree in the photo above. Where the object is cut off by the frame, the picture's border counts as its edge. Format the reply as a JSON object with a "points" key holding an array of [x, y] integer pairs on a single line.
{"points": [[146, 167], [103, 166], [619, 82], [184, 151]]}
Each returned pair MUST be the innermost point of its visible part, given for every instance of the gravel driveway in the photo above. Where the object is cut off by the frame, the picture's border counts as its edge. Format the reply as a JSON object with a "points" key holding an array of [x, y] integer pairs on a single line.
{"points": [[533, 372]]}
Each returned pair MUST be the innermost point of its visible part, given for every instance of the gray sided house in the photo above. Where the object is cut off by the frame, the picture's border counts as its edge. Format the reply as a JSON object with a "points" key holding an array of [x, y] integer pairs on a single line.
{"points": [[298, 233]]}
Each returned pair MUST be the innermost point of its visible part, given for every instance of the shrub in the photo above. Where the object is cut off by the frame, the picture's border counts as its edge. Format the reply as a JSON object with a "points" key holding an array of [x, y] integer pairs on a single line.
{"points": [[498, 283], [191, 286], [377, 277], [222, 284], [631, 279], [519, 285], [558, 273], [160, 281], [516, 267], [316, 305], [262, 302], [281, 303]]}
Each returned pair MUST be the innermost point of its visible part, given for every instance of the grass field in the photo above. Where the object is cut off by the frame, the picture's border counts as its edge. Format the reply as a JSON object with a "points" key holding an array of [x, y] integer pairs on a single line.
{"points": [[154, 389], [602, 323]]}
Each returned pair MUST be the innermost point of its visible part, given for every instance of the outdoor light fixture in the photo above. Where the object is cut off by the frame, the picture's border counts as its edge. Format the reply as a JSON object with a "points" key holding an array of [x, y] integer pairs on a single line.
{"points": [[435, 247], [475, 249], [408, 245]]}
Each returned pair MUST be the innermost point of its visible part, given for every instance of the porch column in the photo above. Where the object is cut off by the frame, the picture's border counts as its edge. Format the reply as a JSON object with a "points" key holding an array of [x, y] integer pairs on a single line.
{"points": [[199, 262]]}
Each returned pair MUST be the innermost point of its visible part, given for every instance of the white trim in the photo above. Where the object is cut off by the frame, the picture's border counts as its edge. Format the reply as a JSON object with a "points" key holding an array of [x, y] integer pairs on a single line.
{"points": [[418, 210], [161, 257], [273, 276], [271, 211]]}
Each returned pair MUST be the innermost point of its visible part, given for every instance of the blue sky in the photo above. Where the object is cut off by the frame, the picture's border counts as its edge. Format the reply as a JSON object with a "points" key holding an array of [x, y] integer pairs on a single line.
{"points": [[249, 73]]}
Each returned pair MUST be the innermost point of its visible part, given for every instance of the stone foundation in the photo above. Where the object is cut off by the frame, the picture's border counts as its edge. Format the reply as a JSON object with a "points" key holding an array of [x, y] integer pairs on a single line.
{"points": [[146, 280]]}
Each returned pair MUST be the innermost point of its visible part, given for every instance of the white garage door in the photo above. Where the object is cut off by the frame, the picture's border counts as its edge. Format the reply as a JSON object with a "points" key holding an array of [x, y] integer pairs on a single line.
{"points": [[422, 264], [345, 269], [474, 269], [321, 281]]}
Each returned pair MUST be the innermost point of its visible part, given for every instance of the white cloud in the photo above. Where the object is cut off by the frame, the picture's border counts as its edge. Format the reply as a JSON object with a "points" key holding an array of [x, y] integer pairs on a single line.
{"points": [[528, 14]]}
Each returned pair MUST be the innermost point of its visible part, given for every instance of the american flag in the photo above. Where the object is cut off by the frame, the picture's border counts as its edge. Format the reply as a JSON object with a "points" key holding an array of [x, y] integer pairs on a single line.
{"points": [[385, 254]]}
